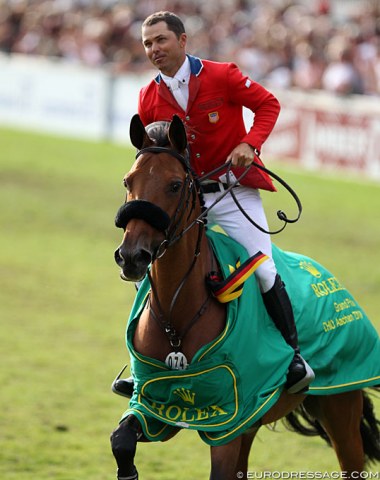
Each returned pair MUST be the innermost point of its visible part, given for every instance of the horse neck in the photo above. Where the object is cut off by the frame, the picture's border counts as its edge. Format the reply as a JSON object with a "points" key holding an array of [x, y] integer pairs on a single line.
{"points": [[177, 265]]}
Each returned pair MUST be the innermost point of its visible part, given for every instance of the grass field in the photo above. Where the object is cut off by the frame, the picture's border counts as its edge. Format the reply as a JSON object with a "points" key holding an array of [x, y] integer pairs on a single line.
{"points": [[63, 308]]}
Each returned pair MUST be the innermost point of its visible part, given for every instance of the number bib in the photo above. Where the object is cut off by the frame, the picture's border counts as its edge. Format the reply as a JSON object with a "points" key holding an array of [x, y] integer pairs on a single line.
{"points": [[176, 361]]}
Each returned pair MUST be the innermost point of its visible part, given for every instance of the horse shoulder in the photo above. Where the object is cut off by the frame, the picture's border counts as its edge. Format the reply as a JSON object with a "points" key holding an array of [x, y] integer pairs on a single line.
{"points": [[149, 339]]}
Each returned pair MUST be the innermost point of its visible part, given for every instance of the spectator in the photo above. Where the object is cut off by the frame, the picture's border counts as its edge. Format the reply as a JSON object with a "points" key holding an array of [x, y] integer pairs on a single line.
{"points": [[341, 75], [280, 43]]}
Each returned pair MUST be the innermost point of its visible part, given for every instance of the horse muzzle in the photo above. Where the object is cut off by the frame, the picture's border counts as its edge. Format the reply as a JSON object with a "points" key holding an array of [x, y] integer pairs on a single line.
{"points": [[133, 265], [140, 246]]}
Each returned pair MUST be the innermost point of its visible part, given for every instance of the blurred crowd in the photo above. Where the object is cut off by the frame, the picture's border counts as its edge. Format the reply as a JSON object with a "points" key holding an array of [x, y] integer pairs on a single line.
{"points": [[280, 43]]}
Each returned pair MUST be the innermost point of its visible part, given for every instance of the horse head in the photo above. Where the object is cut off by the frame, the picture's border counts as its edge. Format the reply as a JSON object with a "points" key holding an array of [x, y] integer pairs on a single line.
{"points": [[159, 192]]}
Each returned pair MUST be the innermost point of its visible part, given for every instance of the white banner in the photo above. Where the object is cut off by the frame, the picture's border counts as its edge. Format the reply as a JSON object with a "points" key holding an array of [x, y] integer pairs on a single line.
{"points": [[125, 91], [316, 130], [53, 97]]}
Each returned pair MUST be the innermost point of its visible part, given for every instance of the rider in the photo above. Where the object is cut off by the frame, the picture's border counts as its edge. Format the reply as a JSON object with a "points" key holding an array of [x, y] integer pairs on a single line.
{"points": [[209, 97]]}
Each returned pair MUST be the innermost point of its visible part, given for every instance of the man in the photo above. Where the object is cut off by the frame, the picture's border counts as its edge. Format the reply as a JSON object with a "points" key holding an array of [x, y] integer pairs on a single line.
{"points": [[209, 97]]}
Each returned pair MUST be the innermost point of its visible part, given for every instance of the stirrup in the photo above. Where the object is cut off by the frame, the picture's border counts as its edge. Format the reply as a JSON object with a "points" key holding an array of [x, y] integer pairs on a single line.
{"points": [[302, 384], [122, 387]]}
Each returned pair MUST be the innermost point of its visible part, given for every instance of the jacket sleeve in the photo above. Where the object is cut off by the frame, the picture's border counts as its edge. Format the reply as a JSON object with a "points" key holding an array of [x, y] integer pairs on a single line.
{"points": [[264, 105]]}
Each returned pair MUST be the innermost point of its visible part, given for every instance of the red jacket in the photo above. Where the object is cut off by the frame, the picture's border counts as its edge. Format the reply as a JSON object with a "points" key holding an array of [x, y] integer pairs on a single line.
{"points": [[213, 119]]}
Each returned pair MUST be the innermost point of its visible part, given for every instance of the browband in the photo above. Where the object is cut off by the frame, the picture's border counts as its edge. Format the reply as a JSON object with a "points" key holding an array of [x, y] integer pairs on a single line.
{"points": [[184, 160]]}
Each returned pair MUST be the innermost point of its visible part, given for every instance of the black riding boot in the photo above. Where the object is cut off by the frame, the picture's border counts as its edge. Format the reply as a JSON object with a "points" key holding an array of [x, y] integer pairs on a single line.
{"points": [[278, 305], [123, 387]]}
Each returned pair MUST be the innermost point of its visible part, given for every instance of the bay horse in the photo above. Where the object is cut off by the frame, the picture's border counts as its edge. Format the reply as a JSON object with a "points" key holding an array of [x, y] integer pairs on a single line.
{"points": [[164, 239]]}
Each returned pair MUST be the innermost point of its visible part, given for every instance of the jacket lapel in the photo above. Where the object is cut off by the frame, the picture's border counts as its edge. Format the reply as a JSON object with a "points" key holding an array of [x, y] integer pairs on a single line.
{"points": [[194, 85], [196, 66], [164, 92]]}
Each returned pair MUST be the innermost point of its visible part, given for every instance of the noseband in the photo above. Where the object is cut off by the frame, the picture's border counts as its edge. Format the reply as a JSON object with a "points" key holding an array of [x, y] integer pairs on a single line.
{"points": [[143, 210], [155, 215]]}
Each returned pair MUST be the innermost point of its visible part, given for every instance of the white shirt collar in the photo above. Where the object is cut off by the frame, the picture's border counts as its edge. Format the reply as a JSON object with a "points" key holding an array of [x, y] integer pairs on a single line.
{"points": [[182, 75]]}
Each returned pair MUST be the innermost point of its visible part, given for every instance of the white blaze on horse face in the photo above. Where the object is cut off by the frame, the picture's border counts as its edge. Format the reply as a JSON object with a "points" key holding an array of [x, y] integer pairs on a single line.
{"points": [[156, 178]]}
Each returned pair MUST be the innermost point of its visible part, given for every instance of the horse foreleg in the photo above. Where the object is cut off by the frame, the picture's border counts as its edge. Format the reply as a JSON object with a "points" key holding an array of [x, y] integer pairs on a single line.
{"points": [[123, 442], [245, 448], [340, 416], [224, 460]]}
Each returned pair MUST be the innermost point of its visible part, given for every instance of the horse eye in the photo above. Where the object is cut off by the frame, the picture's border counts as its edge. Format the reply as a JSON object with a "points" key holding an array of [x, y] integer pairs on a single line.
{"points": [[175, 187]]}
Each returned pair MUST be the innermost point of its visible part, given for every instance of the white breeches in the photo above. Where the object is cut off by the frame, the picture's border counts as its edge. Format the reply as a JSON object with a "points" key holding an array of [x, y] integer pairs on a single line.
{"points": [[226, 214]]}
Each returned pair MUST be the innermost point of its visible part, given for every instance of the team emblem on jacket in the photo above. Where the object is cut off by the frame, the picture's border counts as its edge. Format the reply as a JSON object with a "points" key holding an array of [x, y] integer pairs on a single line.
{"points": [[213, 117]]}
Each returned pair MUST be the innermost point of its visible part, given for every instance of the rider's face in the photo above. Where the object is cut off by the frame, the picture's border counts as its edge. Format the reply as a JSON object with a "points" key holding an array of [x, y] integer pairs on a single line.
{"points": [[163, 48]]}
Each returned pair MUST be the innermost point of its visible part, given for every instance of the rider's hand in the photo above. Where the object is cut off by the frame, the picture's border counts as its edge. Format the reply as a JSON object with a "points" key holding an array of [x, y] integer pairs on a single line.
{"points": [[242, 155]]}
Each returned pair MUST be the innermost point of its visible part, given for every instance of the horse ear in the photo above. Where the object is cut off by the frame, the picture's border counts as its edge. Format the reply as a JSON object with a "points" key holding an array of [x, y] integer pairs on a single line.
{"points": [[177, 134], [137, 133]]}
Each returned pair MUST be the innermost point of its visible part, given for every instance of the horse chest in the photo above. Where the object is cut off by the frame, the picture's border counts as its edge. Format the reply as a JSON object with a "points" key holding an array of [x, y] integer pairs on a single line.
{"points": [[150, 340]]}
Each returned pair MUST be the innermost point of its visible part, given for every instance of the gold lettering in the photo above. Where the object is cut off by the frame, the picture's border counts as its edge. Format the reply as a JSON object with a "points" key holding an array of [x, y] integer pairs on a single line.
{"points": [[184, 417], [329, 325], [177, 412], [345, 319], [323, 288], [327, 287], [332, 285], [357, 314], [202, 414], [174, 412], [159, 408], [315, 288], [217, 411], [347, 303]]}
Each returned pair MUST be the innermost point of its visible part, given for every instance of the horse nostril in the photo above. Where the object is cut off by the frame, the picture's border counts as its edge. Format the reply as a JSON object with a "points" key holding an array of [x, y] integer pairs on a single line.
{"points": [[143, 256], [118, 257]]}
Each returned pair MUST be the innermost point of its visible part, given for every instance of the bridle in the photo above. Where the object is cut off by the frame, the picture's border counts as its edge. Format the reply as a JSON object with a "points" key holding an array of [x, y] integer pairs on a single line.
{"points": [[173, 231], [158, 218]]}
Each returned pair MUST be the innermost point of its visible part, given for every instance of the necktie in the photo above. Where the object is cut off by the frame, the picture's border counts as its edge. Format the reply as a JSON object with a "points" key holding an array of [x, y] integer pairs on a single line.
{"points": [[177, 94]]}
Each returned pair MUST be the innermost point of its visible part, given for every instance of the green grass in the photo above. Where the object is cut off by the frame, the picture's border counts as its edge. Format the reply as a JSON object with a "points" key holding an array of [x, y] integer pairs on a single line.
{"points": [[63, 308]]}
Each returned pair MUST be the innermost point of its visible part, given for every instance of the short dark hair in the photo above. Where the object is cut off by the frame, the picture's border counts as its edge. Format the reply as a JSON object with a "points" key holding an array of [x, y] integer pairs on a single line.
{"points": [[173, 22]]}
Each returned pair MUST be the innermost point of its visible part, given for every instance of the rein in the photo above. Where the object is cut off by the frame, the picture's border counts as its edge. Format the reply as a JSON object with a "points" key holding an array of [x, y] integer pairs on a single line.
{"points": [[230, 186]]}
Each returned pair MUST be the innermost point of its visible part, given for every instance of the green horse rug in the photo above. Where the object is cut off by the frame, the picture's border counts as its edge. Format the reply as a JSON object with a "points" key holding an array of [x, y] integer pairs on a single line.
{"points": [[234, 380]]}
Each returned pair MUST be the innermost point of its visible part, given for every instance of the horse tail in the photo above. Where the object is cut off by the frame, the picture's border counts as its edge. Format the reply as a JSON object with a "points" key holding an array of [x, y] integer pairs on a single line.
{"points": [[300, 421], [370, 429]]}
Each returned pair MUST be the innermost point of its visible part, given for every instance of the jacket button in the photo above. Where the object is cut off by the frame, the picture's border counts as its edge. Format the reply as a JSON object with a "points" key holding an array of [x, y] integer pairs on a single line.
{"points": [[198, 155], [192, 136], [187, 117]]}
